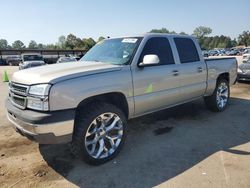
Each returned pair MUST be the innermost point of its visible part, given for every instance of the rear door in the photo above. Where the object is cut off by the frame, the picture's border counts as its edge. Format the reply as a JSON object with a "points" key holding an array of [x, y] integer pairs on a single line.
{"points": [[193, 70], [156, 86]]}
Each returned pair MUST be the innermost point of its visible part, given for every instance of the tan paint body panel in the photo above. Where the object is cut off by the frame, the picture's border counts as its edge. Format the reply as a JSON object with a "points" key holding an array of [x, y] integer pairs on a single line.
{"points": [[60, 72]]}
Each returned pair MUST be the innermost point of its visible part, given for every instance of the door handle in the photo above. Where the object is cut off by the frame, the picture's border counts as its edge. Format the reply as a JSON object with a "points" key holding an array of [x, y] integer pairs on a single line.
{"points": [[200, 69], [175, 72]]}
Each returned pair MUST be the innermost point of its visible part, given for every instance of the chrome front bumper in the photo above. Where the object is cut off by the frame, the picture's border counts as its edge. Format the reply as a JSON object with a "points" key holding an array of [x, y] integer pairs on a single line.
{"points": [[42, 127]]}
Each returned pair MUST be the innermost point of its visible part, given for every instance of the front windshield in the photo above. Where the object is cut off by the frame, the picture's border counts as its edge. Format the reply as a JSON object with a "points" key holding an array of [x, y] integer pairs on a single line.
{"points": [[114, 51], [32, 58]]}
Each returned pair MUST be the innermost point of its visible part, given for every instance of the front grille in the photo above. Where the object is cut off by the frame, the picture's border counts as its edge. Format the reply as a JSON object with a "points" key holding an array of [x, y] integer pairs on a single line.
{"points": [[18, 88], [18, 94], [19, 100]]}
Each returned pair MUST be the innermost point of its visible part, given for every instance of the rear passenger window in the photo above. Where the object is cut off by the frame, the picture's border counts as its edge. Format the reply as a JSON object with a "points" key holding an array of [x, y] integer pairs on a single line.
{"points": [[158, 46], [187, 50]]}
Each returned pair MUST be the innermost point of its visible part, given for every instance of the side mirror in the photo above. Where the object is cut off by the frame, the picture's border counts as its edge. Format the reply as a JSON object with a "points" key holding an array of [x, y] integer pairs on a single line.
{"points": [[150, 59]]}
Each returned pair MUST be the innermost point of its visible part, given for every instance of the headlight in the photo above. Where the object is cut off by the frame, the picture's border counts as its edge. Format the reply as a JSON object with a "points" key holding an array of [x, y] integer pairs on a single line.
{"points": [[38, 103], [38, 98], [40, 89]]}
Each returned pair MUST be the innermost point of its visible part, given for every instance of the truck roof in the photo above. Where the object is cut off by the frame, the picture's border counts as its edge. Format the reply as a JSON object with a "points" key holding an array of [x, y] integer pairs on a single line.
{"points": [[155, 34]]}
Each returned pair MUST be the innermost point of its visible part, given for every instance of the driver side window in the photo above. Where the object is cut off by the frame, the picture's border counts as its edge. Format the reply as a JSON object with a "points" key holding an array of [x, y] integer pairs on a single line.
{"points": [[159, 46]]}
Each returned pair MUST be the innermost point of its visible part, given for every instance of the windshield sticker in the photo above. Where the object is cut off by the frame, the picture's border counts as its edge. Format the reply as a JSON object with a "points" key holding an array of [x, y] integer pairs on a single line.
{"points": [[129, 40]]}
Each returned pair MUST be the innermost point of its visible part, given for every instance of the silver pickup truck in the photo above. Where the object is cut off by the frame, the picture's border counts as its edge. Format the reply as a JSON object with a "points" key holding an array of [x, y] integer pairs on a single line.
{"points": [[89, 102]]}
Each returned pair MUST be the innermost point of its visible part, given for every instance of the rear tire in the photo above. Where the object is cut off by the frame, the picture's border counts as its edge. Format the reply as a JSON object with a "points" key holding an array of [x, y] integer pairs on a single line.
{"points": [[218, 101], [94, 140]]}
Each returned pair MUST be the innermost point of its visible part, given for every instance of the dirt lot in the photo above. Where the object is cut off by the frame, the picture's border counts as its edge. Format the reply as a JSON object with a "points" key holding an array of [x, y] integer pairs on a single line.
{"points": [[203, 149]]}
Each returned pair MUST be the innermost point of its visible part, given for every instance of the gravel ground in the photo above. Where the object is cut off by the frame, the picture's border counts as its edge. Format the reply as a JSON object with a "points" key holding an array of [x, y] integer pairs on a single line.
{"points": [[198, 148]]}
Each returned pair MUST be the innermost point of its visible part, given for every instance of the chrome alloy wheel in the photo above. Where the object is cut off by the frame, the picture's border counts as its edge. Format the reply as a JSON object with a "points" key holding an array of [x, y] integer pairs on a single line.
{"points": [[104, 135], [222, 95]]}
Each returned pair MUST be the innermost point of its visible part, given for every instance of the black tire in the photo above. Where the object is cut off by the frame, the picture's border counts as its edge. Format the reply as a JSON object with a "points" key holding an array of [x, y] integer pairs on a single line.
{"points": [[211, 101], [85, 116]]}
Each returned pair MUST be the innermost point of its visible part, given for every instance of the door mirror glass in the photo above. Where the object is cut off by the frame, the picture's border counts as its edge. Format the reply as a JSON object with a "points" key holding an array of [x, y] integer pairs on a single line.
{"points": [[150, 59]]}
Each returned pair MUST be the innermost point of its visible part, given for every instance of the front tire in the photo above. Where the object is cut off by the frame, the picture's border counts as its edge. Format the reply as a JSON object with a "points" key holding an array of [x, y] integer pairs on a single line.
{"points": [[99, 133], [218, 101]]}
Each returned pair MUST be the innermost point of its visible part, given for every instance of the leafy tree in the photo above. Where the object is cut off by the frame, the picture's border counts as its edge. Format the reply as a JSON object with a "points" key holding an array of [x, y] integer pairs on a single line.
{"points": [[89, 43], [172, 32], [61, 42], [100, 38], [202, 31], [51, 47], [183, 33], [244, 38], [71, 41], [234, 42], [79, 44], [3, 44], [216, 42], [33, 45], [162, 30], [18, 44], [41, 46]]}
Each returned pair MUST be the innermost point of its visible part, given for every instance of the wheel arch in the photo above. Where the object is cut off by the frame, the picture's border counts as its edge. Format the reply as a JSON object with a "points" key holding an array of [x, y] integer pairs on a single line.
{"points": [[212, 83], [116, 98], [224, 75]]}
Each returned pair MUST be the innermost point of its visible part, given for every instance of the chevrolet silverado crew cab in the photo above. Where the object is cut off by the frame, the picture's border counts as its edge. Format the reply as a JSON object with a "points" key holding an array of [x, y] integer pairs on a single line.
{"points": [[88, 103]]}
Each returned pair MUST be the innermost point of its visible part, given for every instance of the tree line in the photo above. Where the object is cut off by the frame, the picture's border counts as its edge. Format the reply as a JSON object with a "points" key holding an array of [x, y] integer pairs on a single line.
{"points": [[210, 42], [72, 42]]}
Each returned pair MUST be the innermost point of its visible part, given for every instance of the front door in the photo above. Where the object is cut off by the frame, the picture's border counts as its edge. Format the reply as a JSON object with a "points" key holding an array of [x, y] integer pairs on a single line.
{"points": [[156, 86]]}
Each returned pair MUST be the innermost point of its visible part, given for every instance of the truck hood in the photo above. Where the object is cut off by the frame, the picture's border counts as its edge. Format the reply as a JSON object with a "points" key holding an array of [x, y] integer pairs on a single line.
{"points": [[63, 71]]}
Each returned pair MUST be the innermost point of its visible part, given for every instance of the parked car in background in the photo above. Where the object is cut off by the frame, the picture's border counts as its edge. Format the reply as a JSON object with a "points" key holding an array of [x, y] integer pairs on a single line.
{"points": [[241, 51], [66, 59], [233, 52], [222, 52], [88, 103], [213, 53], [78, 57], [31, 60], [244, 69], [246, 58], [2, 62], [13, 60], [205, 53], [246, 51]]}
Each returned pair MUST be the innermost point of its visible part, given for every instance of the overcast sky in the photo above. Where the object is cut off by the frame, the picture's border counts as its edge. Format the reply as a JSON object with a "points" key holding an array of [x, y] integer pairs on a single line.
{"points": [[45, 20]]}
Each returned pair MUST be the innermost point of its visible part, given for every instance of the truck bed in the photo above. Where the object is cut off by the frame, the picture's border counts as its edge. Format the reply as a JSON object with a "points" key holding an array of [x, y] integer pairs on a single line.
{"points": [[218, 66]]}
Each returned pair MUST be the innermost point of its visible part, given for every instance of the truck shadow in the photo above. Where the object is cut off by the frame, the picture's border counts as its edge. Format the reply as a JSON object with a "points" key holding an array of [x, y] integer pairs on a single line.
{"points": [[149, 159]]}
